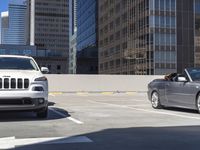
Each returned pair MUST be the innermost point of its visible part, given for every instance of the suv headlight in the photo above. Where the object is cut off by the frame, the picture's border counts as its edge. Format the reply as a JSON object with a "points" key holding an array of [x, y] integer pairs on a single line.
{"points": [[41, 79]]}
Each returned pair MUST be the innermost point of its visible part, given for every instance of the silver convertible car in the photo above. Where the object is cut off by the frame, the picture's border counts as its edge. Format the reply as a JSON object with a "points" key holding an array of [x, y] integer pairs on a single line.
{"points": [[176, 90]]}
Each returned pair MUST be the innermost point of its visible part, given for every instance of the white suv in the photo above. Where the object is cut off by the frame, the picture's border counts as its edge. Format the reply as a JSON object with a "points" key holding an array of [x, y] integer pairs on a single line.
{"points": [[23, 87]]}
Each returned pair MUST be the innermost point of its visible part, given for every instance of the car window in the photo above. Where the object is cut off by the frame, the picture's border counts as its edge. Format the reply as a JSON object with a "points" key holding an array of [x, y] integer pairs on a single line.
{"points": [[194, 73], [17, 63]]}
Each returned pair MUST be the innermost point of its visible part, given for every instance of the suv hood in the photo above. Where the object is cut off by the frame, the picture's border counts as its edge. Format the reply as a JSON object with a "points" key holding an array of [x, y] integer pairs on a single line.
{"points": [[30, 74]]}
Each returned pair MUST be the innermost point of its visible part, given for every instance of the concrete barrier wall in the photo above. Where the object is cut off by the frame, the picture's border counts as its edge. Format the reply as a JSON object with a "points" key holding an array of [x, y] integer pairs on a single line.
{"points": [[98, 83]]}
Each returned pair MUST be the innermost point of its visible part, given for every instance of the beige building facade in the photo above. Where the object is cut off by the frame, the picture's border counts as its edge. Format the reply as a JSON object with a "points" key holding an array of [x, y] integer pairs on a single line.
{"points": [[49, 32], [147, 37]]}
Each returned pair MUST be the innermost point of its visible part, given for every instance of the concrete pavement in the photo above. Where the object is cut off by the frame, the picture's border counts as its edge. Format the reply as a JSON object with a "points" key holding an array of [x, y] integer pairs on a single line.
{"points": [[110, 121]]}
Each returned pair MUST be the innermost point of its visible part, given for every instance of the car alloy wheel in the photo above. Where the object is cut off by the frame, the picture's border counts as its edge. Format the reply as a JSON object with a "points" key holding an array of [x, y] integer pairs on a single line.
{"points": [[155, 100], [198, 103]]}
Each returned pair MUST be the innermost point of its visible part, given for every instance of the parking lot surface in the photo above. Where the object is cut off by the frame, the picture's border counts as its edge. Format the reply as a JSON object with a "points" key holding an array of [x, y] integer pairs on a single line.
{"points": [[104, 121]]}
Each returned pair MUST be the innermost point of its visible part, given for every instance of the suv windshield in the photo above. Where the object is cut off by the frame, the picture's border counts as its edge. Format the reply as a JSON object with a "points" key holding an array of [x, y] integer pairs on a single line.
{"points": [[17, 63], [194, 74]]}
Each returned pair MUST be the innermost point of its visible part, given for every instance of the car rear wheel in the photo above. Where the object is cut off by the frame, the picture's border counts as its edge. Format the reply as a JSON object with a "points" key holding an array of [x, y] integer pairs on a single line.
{"points": [[198, 103], [43, 113], [155, 101]]}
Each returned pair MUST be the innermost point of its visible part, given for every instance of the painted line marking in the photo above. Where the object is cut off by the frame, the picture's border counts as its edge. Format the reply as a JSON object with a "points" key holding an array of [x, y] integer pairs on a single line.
{"points": [[69, 118], [55, 93], [107, 93], [148, 111], [82, 93], [12, 142], [165, 113], [51, 95], [74, 120], [130, 93], [138, 105]]}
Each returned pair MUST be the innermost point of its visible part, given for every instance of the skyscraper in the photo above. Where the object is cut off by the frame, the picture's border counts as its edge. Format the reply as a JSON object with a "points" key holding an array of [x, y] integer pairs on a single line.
{"points": [[4, 25], [197, 32], [14, 23], [49, 32], [73, 35], [87, 37], [147, 36]]}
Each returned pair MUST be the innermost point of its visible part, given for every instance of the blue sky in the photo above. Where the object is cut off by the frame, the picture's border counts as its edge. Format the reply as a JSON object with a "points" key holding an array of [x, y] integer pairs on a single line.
{"points": [[3, 5]]}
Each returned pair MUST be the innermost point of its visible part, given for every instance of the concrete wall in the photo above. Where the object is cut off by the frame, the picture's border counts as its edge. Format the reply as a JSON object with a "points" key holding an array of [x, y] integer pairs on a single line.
{"points": [[98, 83]]}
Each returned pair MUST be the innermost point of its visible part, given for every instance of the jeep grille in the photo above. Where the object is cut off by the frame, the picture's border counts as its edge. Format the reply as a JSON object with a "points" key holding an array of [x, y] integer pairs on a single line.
{"points": [[13, 83]]}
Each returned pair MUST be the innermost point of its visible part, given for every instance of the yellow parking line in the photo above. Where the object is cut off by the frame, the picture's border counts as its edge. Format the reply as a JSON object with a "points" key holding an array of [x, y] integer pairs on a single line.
{"points": [[82, 93], [55, 93], [107, 93]]}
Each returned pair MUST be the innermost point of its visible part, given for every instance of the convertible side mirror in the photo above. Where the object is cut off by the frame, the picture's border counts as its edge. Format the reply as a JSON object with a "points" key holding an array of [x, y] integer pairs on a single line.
{"points": [[182, 79], [44, 70]]}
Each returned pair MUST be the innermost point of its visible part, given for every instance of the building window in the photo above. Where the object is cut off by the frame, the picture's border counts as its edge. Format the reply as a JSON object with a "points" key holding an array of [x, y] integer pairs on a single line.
{"points": [[118, 63], [101, 66], [58, 67], [124, 31], [157, 2], [117, 21], [111, 25], [117, 49], [117, 36], [117, 8], [124, 46], [112, 38], [162, 5], [49, 67], [124, 17]]}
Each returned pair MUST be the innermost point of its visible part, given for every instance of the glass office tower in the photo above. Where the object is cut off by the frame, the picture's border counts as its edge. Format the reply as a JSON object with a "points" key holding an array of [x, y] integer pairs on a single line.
{"points": [[14, 31], [87, 37], [72, 35]]}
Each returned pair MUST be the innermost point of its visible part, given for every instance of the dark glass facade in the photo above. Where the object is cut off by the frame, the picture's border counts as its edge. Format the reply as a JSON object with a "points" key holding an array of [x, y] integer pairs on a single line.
{"points": [[87, 37]]}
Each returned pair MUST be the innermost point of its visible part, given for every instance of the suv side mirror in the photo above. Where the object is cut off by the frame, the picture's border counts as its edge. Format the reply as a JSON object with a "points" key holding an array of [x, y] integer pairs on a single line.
{"points": [[44, 70], [182, 79]]}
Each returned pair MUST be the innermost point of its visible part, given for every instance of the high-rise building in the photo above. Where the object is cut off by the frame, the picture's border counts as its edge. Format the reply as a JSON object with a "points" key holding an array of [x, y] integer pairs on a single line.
{"points": [[147, 36], [73, 35], [197, 32], [13, 28], [49, 32], [4, 25], [87, 37]]}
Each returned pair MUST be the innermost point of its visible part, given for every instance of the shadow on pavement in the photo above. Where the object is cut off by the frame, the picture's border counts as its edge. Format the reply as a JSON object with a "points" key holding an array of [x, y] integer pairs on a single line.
{"points": [[51, 103], [137, 138], [181, 110], [17, 116]]}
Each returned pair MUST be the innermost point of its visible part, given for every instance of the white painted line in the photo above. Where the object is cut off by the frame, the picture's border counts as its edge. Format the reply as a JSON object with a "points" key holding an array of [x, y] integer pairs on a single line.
{"points": [[165, 113], [149, 111], [5, 143], [12, 142], [51, 95], [74, 120], [138, 105], [69, 118]]}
